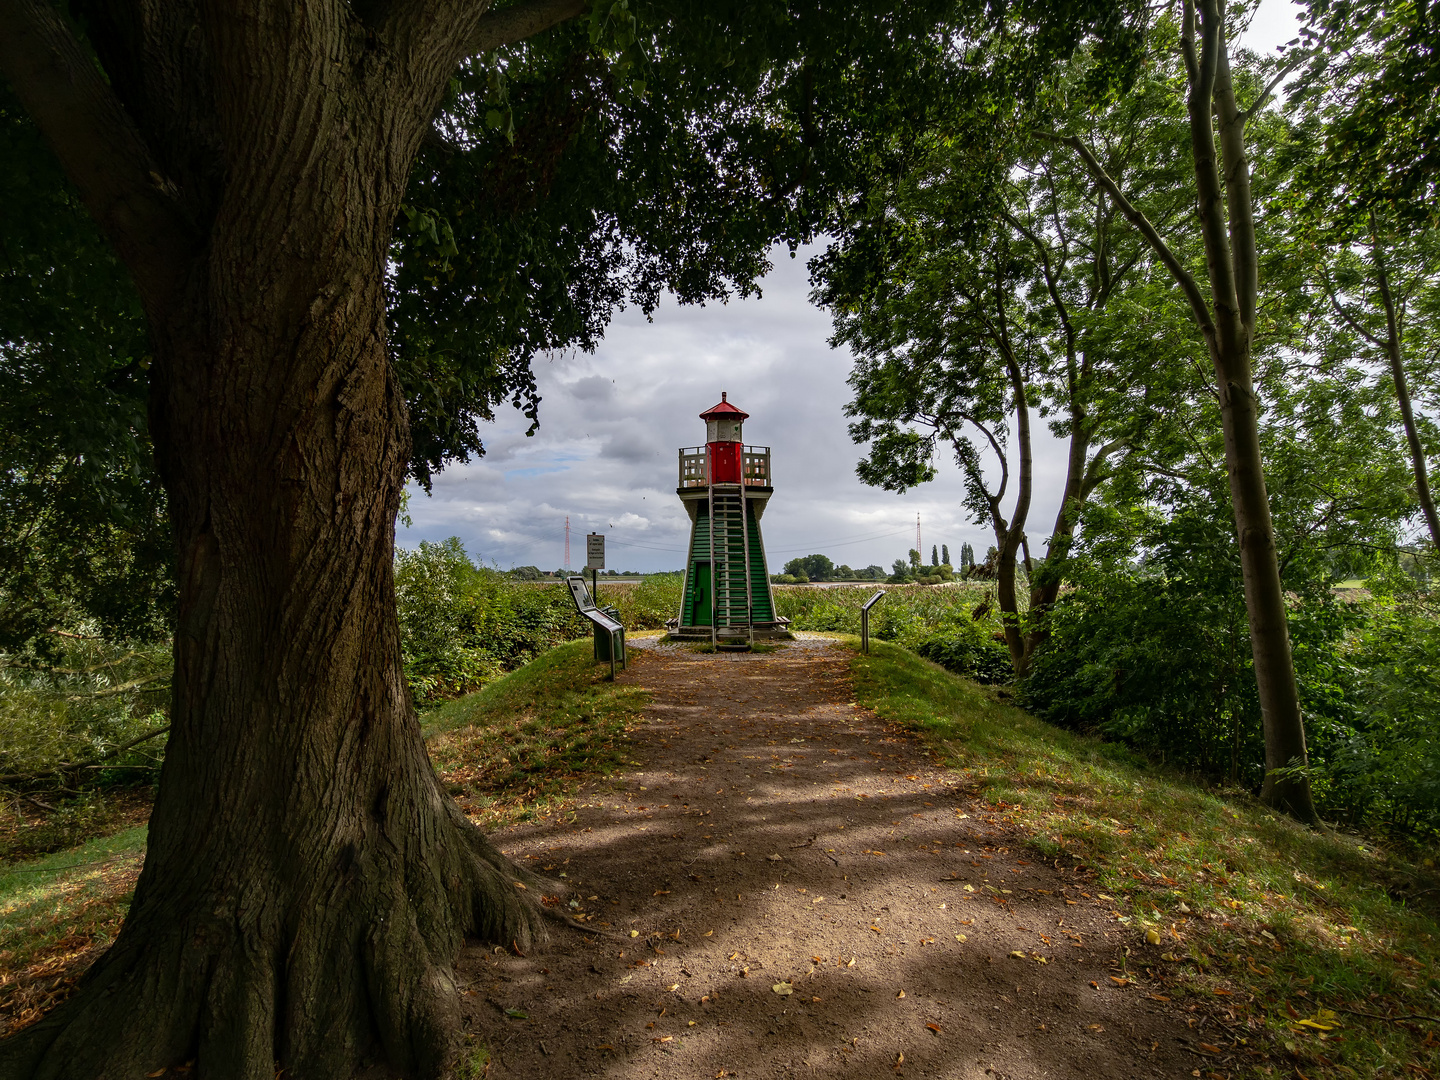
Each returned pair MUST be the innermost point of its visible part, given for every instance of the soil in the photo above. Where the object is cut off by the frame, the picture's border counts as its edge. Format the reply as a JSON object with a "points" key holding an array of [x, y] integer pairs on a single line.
{"points": [[785, 885]]}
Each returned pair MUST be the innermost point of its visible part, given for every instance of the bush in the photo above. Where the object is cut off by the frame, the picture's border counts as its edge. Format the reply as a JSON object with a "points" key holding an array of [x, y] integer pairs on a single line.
{"points": [[969, 652], [1163, 664], [461, 626], [907, 615], [97, 697]]}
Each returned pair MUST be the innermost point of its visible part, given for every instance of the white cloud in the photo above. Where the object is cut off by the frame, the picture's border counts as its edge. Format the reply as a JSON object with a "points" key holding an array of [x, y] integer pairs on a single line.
{"points": [[611, 424]]}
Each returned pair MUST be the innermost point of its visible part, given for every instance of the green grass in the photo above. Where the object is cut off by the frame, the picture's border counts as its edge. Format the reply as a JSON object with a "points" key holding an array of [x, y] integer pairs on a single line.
{"points": [[526, 741], [1290, 921], [514, 749], [55, 907]]}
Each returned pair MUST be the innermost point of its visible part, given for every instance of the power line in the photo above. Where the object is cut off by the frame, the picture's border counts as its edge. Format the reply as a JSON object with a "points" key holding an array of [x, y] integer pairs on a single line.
{"points": [[840, 543]]}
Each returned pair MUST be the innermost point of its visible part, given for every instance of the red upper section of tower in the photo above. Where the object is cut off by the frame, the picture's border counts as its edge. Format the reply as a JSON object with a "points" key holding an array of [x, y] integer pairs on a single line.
{"points": [[724, 411]]}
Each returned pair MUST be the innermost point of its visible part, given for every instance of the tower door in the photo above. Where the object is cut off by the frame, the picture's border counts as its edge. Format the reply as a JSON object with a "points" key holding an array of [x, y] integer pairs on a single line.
{"points": [[704, 609]]}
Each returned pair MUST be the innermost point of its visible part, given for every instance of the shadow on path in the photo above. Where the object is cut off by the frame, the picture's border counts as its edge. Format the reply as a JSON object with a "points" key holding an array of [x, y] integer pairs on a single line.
{"points": [[773, 834]]}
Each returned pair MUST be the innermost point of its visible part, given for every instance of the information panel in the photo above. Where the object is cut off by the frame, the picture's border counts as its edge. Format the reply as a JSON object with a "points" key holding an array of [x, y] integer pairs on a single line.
{"points": [[595, 551]]}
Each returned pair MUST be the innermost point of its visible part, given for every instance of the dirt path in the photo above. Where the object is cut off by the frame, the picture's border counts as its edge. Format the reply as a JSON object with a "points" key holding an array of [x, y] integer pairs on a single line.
{"points": [[773, 835]]}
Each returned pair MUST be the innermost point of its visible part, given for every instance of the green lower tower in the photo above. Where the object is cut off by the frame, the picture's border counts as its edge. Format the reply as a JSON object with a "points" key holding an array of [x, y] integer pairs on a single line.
{"points": [[725, 487]]}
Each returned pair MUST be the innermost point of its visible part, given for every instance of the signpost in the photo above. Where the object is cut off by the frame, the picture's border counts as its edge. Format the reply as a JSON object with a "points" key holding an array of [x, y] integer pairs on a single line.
{"points": [[594, 558]]}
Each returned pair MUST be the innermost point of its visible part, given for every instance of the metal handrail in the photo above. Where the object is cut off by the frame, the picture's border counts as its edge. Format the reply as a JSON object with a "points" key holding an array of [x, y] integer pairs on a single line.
{"points": [[865, 621]]}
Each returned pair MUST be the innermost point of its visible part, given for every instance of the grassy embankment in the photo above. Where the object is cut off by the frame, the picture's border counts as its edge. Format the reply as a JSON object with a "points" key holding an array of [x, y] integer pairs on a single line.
{"points": [[513, 750], [1299, 946], [1283, 938]]}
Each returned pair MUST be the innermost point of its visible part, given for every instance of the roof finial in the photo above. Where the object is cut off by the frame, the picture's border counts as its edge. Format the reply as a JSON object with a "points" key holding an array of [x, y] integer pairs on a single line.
{"points": [[722, 395]]}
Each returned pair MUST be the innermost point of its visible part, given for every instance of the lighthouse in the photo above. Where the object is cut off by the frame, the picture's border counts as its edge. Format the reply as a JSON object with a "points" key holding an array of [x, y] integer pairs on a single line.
{"points": [[724, 487]]}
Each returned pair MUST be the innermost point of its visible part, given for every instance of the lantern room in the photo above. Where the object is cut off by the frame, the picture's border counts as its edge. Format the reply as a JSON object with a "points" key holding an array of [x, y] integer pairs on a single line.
{"points": [[722, 440]]}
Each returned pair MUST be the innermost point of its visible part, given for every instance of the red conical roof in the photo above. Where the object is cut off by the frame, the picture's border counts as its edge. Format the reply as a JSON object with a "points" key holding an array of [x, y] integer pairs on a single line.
{"points": [[724, 409]]}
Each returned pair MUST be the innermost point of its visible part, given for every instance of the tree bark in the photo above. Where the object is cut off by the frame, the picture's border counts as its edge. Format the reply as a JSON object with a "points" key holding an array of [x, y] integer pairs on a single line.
{"points": [[1234, 283], [1009, 536], [1394, 354], [307, 883]]}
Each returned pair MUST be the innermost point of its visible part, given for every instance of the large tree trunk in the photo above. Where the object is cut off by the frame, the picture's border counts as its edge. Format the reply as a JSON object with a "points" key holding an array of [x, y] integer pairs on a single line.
{"points": [[307, 883]]}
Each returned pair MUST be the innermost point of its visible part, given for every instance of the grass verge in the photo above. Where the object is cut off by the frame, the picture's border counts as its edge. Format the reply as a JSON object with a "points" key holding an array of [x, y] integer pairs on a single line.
{"points": [[514, 749], [57, 914], [1314, 952], [521, 745]]}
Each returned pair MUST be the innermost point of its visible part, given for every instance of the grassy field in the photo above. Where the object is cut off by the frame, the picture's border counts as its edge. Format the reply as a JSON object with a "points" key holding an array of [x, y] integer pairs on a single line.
{"points": [[1314, 951]]}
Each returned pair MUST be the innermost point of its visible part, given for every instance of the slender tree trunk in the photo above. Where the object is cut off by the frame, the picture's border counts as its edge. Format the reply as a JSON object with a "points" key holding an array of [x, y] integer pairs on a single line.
{"points": [[1227, 320], [1233, 271], [1009, 537], [1045, 585], [307, 883], [1402, 387]]}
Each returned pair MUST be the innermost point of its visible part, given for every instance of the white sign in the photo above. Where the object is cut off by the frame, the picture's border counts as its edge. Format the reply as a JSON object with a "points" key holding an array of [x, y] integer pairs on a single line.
{"points": [[595, 551]]}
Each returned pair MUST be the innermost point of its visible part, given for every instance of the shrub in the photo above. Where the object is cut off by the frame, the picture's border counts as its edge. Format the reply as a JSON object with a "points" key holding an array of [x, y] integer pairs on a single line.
{"points": [[971, 652]]}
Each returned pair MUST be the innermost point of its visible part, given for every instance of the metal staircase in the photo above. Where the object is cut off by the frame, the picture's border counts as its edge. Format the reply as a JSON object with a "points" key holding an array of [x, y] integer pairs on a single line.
{"points": [[730, 567]]}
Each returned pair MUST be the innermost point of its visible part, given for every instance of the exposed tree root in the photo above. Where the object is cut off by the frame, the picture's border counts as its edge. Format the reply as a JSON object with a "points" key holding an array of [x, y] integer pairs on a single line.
{"points": [[349, 971]]}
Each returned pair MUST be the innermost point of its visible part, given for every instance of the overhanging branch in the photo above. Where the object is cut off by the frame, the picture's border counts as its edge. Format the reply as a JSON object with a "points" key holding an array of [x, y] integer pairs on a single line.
{"points": [[1183, 277], [520, 21], [97, 143]]}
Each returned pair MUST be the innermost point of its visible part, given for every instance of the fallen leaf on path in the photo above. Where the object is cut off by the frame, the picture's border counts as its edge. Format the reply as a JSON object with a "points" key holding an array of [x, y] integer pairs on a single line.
{"points": [[961, 937], [935, 1028], [1017, 954], [969, 888], [662, 892], [1209, 1049], [784, 989], [1152, 936], [900, 995], [520, 885], [634, 933], [877, 929], [1119, 981], [517, 1014], [1158, 997]]}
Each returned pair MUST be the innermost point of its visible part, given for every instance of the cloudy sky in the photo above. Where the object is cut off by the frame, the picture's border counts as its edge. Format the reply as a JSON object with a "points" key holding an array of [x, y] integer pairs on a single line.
{"points": [[611, 423]]}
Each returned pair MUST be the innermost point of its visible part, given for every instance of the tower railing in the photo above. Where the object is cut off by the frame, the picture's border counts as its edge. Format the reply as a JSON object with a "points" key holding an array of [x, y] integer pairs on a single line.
{"points": [[755, 466], [695, 466]]}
